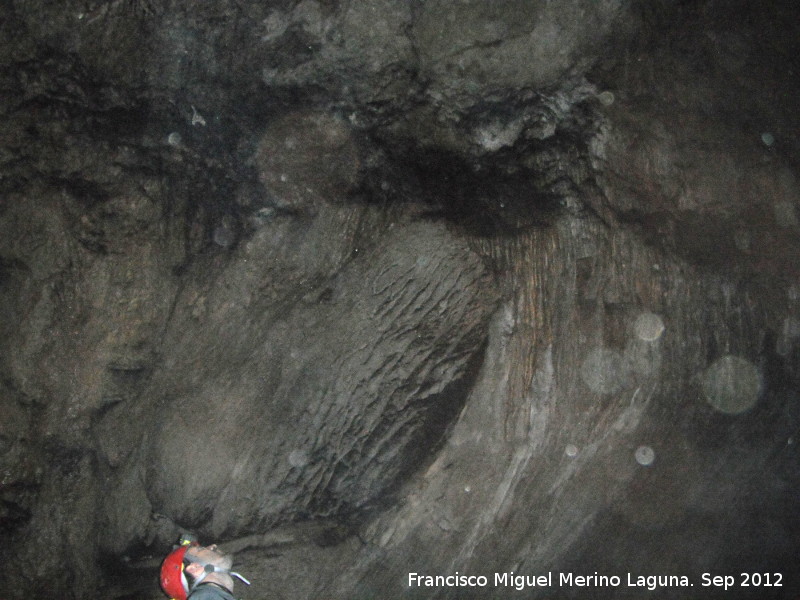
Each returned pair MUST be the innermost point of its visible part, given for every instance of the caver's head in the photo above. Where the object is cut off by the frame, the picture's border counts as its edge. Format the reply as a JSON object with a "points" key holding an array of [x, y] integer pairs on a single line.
{"points": [[191, 564]]}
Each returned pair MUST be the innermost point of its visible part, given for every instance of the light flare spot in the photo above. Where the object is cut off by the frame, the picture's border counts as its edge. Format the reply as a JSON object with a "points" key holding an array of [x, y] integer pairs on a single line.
{"points": [[604, 371], [606, 98], [789, 333], [225, 233], [785, 214], [648, 327], [298, 458], [645, 455], [731, 384], [571, 450], [742, 240]]}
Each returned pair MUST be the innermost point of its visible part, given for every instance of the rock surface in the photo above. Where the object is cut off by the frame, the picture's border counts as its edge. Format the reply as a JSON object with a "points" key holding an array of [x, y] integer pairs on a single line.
{"points": [[364, 289]]}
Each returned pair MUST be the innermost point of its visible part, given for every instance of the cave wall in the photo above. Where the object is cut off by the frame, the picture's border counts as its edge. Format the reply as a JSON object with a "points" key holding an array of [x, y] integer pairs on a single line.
{"points": [[359, 289]]}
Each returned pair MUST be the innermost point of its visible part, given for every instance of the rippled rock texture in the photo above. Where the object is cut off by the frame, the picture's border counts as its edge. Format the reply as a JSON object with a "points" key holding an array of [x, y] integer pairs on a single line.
{"points": [[364, 289]]}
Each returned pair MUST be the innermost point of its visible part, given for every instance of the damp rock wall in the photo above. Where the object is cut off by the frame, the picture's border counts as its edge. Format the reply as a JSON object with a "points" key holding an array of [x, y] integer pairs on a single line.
{"points": [[364, 289]]}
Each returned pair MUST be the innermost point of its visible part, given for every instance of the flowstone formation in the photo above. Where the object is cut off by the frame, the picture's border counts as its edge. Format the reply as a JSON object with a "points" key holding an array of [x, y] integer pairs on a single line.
{"points": [[360, 290]]}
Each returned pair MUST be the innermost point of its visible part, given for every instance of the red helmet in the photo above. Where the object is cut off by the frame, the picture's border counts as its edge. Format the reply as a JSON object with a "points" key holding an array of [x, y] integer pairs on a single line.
{"points": [[173, 581]]}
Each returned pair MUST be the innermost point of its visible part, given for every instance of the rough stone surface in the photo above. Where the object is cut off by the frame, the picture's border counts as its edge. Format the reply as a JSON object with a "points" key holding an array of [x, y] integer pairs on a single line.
{"points": [[359, 289]]}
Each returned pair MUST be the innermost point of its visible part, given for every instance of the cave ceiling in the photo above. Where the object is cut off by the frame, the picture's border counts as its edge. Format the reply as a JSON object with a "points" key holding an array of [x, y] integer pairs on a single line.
{"points": [[358, 289]]}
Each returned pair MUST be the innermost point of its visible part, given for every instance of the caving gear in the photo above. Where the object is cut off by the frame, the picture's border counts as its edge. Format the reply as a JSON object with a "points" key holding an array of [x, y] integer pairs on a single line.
{"points": [[173, 578], [211, 591], [209, 568]]}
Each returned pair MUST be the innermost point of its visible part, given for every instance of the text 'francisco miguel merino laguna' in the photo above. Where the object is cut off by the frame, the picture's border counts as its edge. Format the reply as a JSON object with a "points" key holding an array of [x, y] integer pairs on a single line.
{"points": [[520, 582]]}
